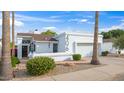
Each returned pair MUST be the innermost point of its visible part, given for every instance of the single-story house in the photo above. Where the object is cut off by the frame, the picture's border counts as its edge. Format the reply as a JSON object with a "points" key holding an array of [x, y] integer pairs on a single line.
{"points": [[108, 46], [64, 44]]}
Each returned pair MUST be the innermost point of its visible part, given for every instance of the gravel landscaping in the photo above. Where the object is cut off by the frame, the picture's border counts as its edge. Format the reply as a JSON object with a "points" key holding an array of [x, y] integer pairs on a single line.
{"points": [[21, 73]]}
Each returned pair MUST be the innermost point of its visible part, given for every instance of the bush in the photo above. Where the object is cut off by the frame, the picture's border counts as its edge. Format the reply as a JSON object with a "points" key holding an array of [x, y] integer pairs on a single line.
{"points": [[76, 57], [105, 53], [40, 65], [14, 61], [119, 52]]}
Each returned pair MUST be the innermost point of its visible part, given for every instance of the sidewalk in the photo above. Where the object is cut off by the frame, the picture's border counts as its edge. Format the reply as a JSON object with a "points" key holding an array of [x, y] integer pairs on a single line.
{"points": [[95, 74]]}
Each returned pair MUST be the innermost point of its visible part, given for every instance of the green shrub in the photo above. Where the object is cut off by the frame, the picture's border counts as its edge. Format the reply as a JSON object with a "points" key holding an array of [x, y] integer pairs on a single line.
{"points": [[119, 52], [14, 61], [40, 65], [105, 53], [76, 57]]}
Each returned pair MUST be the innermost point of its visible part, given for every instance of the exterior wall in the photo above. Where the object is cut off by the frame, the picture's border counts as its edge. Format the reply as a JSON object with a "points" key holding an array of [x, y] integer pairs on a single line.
{"points": [[56, 56], [85, 41], [19, 47], [68, 41], [44, 47], [108, 46], [61, 43]]}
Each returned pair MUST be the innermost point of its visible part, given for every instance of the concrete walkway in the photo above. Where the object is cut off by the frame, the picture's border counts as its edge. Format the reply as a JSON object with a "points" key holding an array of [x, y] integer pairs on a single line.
{"points": [[113, 67]]}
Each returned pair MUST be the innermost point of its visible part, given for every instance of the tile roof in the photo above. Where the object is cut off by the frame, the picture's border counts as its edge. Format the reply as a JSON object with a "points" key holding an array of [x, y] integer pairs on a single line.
{"points": [[38, 37]]}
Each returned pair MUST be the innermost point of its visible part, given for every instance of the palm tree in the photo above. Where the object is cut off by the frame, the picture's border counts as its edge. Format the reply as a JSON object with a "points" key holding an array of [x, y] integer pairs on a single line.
{"points": [[6, 69], [95, 60], [13, 34]]}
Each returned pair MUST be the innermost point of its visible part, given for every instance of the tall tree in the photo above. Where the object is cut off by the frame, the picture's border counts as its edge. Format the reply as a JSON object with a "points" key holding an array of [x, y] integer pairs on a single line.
{"points": [[115, 33], [95, 60], [6, 68], [13, 34]]}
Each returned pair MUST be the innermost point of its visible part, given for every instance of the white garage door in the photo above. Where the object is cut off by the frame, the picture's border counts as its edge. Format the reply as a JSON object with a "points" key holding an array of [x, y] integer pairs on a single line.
{"points": [[85, 49]]}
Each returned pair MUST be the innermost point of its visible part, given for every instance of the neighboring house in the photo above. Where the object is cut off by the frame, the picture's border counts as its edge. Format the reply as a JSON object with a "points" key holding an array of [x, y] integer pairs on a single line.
{"points": [[0, 47], [37, 44], [108, 46]]}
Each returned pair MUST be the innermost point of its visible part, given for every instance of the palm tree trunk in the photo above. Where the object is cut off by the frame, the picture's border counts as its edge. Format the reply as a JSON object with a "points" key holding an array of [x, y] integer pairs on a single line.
{"points": [[13, 34], [95, 60], [6, 68]]}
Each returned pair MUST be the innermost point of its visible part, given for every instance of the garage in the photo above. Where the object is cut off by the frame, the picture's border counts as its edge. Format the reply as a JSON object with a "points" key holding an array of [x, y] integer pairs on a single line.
{"points": [[85, 49]]}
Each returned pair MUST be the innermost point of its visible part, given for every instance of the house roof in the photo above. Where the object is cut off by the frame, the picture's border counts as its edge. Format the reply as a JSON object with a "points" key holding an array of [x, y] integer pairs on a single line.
{"points": [[38, 37], [107, 40], [24, 34]]}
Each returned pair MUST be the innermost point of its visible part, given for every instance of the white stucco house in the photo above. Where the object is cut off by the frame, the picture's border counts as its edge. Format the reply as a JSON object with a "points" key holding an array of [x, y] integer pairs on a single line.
{"points": [[108, 46], [60, 47]]}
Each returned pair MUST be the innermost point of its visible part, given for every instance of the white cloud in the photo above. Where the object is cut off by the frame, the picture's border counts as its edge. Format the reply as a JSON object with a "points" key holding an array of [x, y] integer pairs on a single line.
{"points": [[78, 20], [49, 27], [73, 20], [89, 16], [122, 20], [30, 18], [120, 26], [83, 20], [90, 22], [17, 23], [20, 19], [54, 16]]}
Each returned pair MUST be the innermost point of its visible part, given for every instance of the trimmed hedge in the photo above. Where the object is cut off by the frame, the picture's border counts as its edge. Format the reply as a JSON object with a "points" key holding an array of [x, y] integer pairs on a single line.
{"points": [[105, 53], [76, 57], [40, 65], [14, 61]]}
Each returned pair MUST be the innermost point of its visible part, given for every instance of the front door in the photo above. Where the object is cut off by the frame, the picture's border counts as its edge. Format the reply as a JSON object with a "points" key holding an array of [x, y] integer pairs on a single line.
{"points": [[55, 47], [24, 51]]}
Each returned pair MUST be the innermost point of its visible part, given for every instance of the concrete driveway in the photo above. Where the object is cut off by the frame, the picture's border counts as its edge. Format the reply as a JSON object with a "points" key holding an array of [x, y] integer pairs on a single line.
{"points": [[114, 67], [109, 60]]}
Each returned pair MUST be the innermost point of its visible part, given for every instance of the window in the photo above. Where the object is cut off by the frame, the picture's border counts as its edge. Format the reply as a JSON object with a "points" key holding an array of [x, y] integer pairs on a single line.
{"points": [[26, 41]]}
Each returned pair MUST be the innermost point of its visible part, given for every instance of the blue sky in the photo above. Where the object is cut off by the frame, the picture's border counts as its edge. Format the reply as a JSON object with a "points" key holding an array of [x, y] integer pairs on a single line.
{"points": [[69, 21]]}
